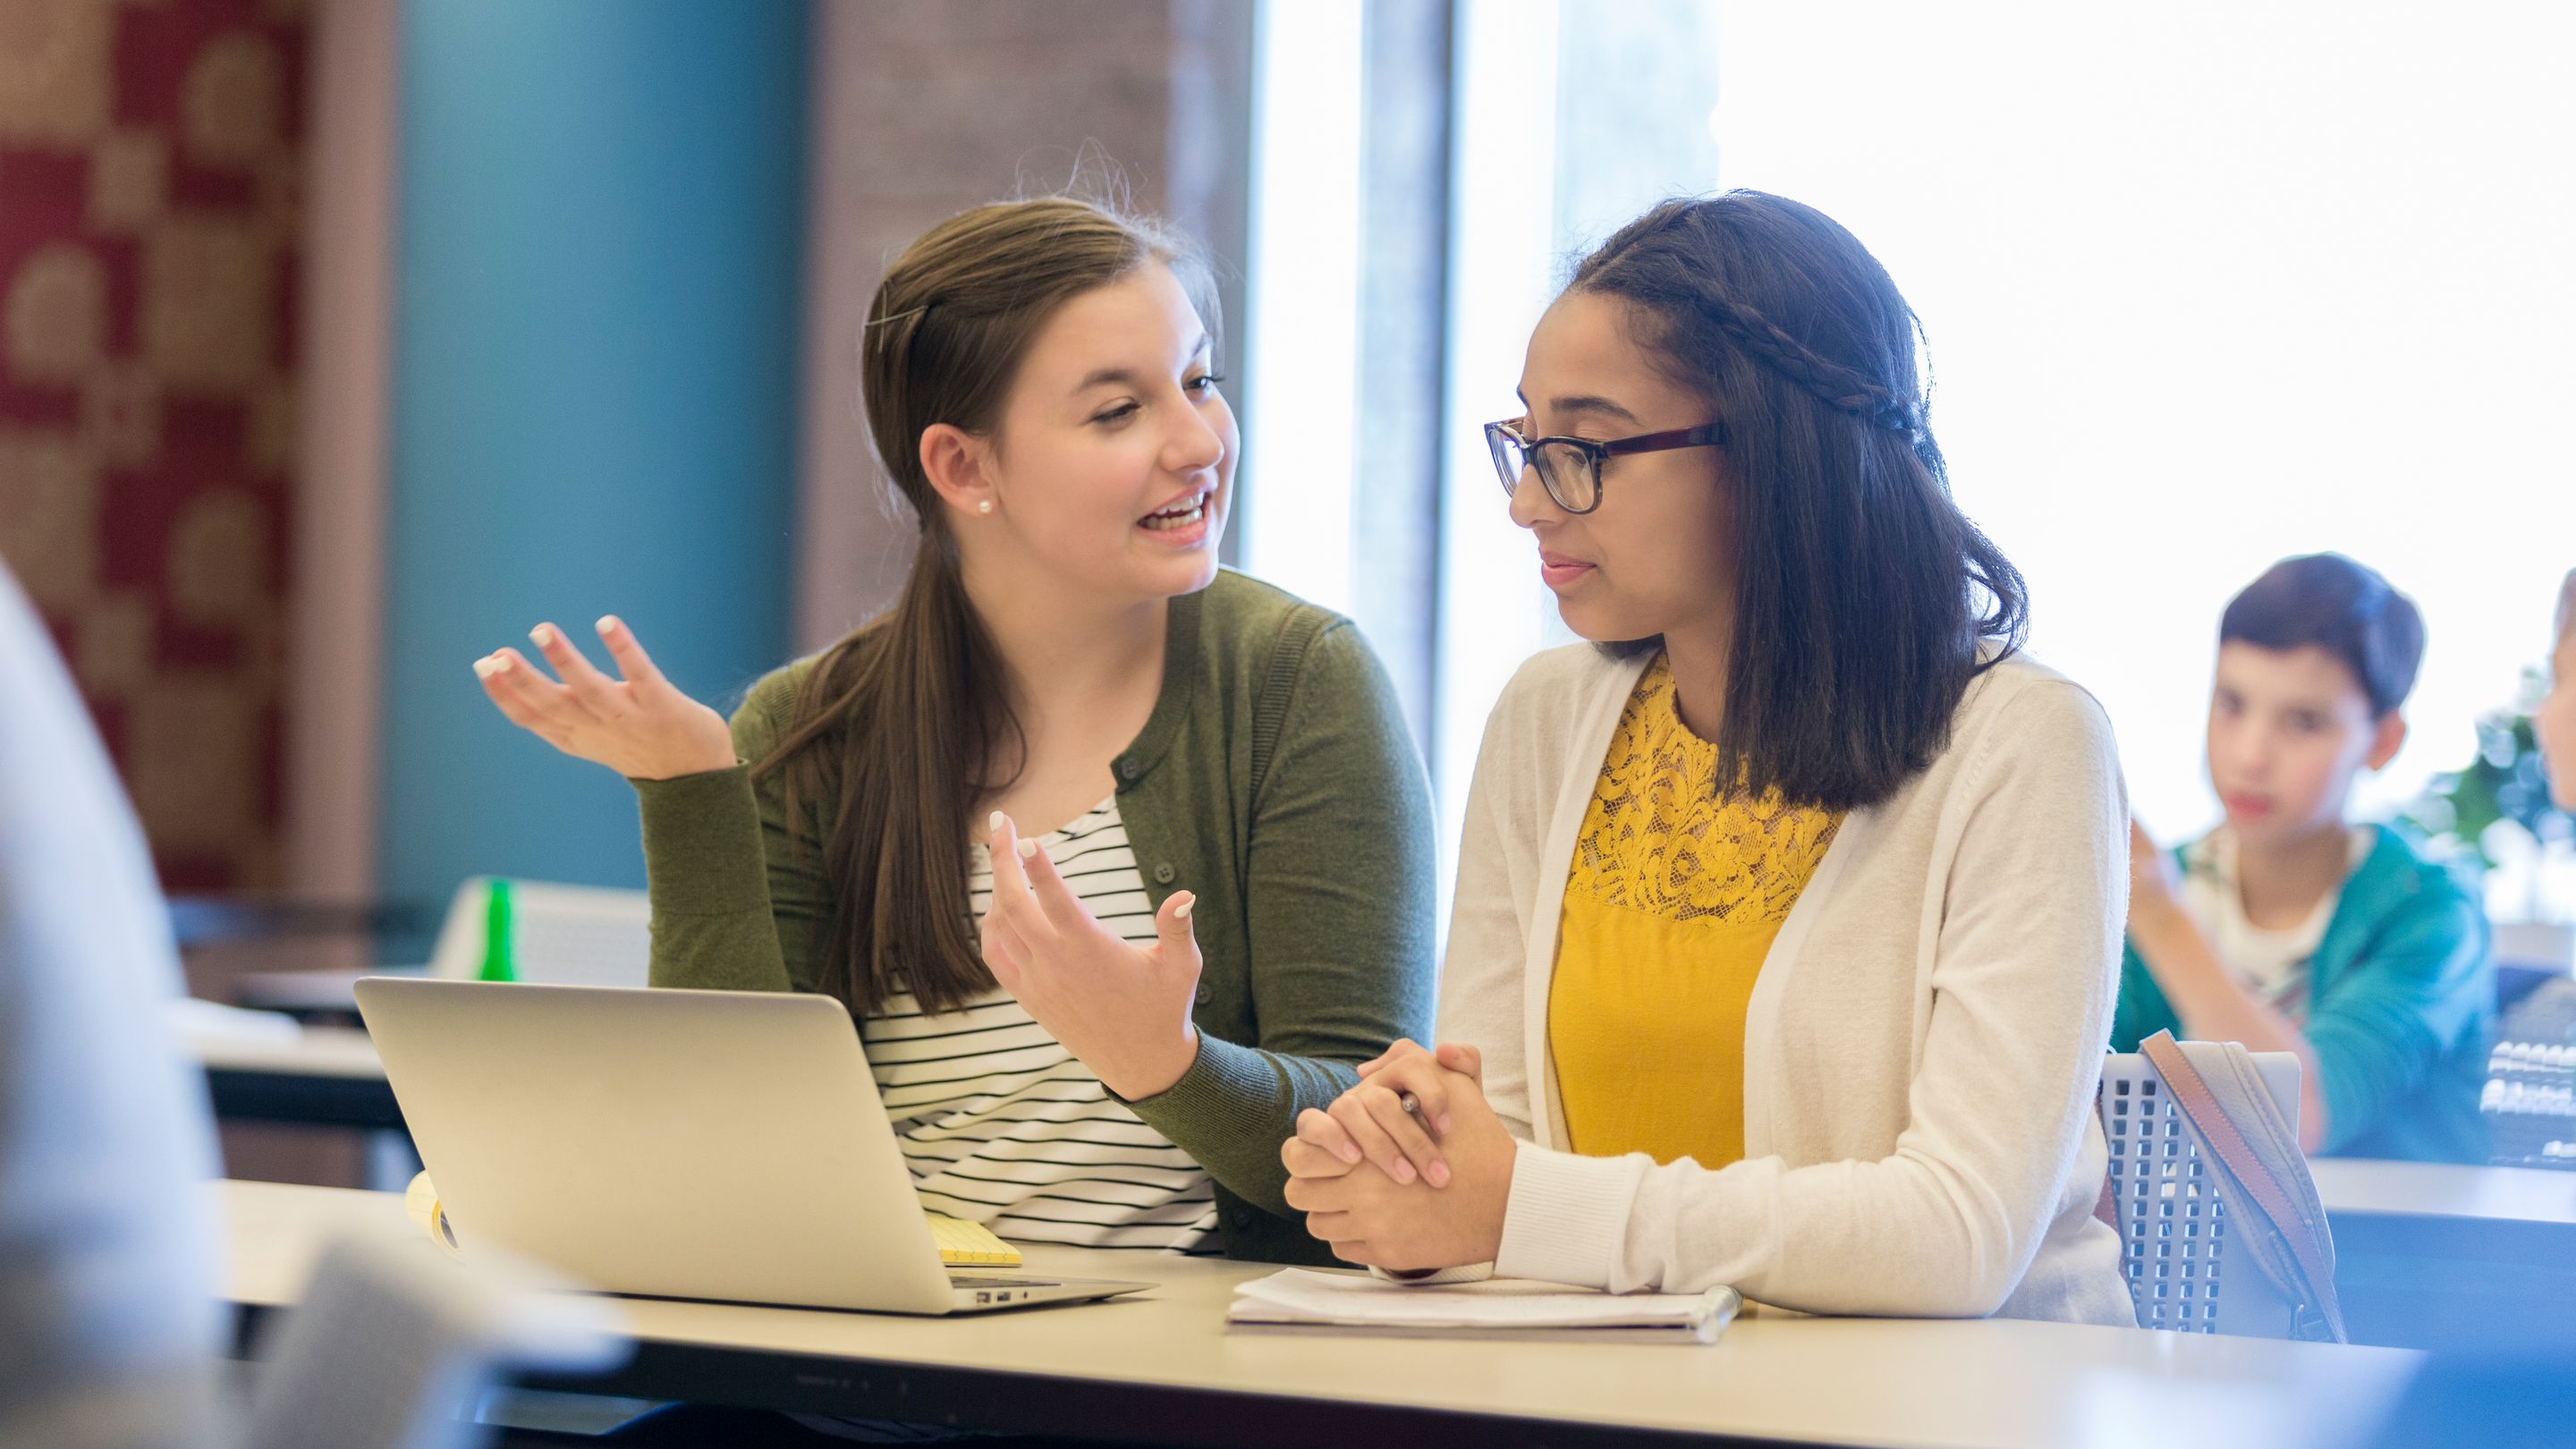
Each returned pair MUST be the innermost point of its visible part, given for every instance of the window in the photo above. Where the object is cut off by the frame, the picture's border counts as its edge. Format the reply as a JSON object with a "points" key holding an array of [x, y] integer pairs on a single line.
{"points": [[2205, 285], [1569, 123]]}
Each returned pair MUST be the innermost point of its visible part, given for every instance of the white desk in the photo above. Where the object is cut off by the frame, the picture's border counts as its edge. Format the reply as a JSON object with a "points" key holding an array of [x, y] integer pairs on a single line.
{"points": [[2436, 1255], [323, 1076], [312, 993], [2540, 1200], [1161, 1367]]}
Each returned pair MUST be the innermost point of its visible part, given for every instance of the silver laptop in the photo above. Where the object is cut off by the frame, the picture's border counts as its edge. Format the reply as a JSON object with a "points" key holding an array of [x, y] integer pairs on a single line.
{"points": [[681, 1144]]}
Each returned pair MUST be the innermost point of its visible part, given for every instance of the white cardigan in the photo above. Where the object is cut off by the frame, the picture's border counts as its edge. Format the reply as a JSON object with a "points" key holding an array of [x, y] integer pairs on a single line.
{"points": [[1921, 1048]]}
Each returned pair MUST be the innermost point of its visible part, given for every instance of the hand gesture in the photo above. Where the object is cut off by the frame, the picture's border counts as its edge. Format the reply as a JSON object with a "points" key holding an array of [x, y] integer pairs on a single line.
{"points": [[1123, 1010], [638, 726]]}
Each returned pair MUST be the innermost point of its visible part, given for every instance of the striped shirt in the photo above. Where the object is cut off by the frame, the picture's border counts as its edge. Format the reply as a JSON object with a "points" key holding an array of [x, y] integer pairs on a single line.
{"points": [[1002, 1126]]}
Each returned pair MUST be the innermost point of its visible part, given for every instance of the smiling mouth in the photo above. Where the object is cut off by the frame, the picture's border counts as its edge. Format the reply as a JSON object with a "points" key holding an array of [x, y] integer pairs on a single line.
{"points": [[1180, 515]]}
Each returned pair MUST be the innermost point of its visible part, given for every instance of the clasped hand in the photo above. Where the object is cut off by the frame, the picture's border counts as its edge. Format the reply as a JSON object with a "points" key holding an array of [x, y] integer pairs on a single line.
{"points": [[1406, 1191]]}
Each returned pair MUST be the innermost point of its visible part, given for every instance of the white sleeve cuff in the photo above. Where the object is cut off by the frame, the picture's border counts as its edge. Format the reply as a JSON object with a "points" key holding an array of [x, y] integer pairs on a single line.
{"points": [[1567, 1216], [1463, 1273]]}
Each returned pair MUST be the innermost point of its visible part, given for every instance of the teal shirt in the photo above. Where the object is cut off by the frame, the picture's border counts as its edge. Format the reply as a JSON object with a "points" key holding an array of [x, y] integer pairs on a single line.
{"points": [[2401, 1006]]}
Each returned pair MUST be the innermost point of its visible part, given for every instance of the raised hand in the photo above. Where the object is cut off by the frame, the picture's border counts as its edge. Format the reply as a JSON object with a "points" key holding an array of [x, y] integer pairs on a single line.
{"points": [[639, 726], [1123, 1010]]}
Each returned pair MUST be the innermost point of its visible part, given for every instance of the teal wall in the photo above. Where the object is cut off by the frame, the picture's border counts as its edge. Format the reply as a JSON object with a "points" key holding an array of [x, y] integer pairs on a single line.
{"points": [[601, 214]]}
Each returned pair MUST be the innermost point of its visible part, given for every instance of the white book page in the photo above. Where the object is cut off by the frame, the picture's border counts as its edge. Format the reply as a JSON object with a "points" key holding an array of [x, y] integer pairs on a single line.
{"points": [[1298, 1295]]}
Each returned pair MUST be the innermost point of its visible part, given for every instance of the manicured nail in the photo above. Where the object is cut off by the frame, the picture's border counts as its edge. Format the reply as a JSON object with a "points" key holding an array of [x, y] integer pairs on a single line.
{"points": [[608, 624], [993, 821], [484, 666], [1181, 912], [544, 635], [1403, 1170], [500, 664], [1028, 848], [1438, 1172], [1347, 1152]]}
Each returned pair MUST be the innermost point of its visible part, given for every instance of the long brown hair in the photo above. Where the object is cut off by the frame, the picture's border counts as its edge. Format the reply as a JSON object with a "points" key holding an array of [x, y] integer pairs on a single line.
{"points": [[901, 727]]}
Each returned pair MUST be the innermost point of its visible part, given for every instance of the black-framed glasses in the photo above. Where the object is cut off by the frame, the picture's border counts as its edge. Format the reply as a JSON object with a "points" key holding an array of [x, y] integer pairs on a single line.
{"points": [[1570, 468]]}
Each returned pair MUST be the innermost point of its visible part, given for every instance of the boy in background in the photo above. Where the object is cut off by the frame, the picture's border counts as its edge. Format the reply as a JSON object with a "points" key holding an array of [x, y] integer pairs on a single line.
{"points": [[2289, 928], [2555, 721]]}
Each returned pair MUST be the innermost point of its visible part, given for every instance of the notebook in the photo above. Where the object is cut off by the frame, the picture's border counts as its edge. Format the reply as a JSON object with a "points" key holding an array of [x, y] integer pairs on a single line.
{"points": [[961, 1244], [1299, 1300]]}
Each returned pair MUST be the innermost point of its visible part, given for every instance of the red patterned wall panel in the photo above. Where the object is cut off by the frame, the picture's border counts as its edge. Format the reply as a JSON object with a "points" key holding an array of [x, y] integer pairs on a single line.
{"points": [[149, 165]]}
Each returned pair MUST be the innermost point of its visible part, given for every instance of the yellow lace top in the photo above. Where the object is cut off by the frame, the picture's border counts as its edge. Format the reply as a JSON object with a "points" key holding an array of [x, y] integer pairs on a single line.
{"points": [[1670, 907]]}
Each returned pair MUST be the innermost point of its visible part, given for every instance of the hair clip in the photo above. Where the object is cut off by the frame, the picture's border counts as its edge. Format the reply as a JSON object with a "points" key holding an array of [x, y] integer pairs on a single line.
{"points": [[899, 316]]}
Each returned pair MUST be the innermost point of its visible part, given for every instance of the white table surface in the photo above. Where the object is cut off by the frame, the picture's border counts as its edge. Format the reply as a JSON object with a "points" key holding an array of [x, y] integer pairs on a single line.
{"points": [[319, 1051], [312, 991], [1848, 1381], [2349, 1185]]}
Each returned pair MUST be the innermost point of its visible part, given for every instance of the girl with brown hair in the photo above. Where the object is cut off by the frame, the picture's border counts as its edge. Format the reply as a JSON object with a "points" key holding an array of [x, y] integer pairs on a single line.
{"points": [[1222, 899]]}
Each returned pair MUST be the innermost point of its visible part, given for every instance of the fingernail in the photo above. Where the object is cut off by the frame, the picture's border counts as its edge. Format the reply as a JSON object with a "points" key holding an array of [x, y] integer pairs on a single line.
{"points": [[1028, 848], [1182, 911], [1438, 1172], [500, 664], [1403, 1170], [608, 623], [484, 666], [543, 635], [1347, 1153], [1442, 1126], [993, 821]]}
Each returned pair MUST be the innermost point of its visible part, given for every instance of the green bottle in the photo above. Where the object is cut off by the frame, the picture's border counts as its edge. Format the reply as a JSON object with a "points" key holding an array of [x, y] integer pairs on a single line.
{"points": [[500, 963]]}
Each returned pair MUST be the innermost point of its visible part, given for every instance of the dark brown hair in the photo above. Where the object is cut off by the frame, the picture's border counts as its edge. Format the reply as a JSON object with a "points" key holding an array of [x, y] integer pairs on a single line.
{"points": [[1864, 597], [901, 727], [2344, 608]]}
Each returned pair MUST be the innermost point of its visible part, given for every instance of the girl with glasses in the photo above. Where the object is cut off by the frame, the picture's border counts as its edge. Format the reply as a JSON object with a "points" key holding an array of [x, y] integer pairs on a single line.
{"points": [[1789, 908], [1119, 859]]}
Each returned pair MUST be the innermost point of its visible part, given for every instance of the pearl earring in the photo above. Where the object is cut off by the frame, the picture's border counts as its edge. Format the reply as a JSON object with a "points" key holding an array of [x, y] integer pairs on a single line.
{"points": [[984, 507]]}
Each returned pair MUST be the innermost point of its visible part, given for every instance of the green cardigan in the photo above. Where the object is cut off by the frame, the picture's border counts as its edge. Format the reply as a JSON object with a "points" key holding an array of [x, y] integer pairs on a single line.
{"points": [[2401, 1002], [1275, 779]]}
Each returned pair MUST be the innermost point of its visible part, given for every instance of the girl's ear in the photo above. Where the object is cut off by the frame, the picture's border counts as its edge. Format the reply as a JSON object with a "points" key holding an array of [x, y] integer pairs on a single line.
{"points": [[2390, 739], [959, 467]]}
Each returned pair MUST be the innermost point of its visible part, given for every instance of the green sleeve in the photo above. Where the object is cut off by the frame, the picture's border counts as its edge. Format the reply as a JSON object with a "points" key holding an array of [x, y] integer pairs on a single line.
{"points": [[737, 901], [2141, 1010], [2396, 1013], [1338, 911]]}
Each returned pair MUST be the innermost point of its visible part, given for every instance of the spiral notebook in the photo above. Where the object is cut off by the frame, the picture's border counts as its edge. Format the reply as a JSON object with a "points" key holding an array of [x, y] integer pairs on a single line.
{"points": [[1299, 1300]]}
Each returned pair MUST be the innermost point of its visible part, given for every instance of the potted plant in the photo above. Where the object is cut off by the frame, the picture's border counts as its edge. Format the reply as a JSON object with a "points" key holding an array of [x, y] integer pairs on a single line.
{"points": [[2497, 812]]}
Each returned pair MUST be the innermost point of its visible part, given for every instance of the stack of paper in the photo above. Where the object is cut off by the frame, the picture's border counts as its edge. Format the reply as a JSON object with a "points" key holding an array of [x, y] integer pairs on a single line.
{"points": [[969, 1245], [1299, 1300]]}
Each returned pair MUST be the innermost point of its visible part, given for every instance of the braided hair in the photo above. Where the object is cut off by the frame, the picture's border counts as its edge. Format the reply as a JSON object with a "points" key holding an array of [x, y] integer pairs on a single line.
{"points": [[1866, 602]]}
